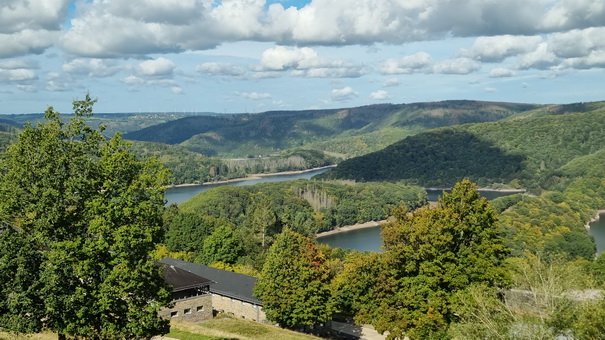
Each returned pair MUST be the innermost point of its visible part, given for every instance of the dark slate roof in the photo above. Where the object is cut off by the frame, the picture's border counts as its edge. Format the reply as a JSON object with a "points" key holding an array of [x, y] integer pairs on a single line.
{"points": [[181, 279], [230, 284]]}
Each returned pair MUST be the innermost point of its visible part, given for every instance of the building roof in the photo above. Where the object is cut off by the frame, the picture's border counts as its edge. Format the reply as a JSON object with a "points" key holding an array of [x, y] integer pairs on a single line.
{"points": [[233, 285], [181, 279]]}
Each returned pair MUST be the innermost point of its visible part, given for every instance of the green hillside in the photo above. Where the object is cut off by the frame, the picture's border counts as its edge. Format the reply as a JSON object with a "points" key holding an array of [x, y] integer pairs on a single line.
{"points": [[346, 132], [529, 148]]}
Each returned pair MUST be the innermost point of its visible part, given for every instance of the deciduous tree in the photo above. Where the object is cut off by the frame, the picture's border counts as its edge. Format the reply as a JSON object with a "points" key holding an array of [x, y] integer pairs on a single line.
{"points": [[83, 215], [294, 284]]}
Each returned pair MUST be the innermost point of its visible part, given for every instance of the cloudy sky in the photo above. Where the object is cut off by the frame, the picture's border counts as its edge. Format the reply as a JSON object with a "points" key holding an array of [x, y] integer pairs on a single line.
{"points": [[258, 55]]}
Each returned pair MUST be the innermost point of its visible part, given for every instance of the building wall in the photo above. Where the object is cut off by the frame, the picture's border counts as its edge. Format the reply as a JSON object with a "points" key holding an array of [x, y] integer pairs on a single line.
{"points": [[194, 309], [238, 308]]}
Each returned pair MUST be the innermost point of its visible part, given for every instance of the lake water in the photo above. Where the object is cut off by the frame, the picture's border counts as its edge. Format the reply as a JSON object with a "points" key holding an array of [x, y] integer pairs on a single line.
{"points": [[597, 230], [361, 239], [368, 239], [181, 194]]}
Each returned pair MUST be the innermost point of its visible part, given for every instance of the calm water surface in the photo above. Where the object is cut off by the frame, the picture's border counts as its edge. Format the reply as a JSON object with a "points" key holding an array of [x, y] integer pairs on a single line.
{"points": [[181, 194], [597, 230], [368, 239]]}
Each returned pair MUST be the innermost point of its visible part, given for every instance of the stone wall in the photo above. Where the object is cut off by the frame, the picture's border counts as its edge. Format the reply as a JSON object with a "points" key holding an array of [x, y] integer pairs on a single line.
{"points": [[194, 309], [238, 308]]}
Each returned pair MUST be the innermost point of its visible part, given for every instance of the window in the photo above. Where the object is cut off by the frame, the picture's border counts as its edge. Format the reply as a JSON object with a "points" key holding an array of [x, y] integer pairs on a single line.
{"points": [[174, 314], [199, 309], [187, 311]]}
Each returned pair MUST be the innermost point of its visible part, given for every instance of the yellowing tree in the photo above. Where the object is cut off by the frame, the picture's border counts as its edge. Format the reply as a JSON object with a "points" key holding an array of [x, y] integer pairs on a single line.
{"points": [[79, 217], [294, 283]]}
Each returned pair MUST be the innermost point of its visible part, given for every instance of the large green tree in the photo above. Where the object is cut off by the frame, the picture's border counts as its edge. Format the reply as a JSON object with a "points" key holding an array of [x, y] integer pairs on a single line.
{"points": [[430, 254], [294, 284], [81, 216]]}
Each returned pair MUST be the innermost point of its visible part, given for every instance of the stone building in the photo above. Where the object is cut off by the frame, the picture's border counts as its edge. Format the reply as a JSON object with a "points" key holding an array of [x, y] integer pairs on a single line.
{"points": [[191, 298], [229, 292]]}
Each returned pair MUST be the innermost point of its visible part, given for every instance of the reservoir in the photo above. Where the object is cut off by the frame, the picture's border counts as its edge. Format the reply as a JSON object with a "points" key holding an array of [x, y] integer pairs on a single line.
{"points": [[597, 230], [181, 194], [368, 239]]}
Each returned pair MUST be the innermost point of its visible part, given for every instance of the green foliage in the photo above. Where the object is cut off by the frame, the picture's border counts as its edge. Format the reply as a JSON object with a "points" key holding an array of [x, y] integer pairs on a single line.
{"points": [[539, 225], [86, 214], [430, 255], [223, 245], [339, 131], [531, 150], [294, 282]]}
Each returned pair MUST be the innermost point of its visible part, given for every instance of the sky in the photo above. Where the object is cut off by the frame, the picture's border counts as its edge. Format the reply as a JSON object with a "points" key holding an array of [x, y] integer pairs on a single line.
{"points": [[235, 56]]}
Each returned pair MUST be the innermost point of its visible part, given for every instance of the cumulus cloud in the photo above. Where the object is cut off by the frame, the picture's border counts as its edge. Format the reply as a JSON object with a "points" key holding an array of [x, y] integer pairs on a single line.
{"points": [[306, 62], [577, 43], [95, 68], [541, 58], [379, 95], [220, 69], [498, 48], [176, 90], [160, 67], [392, 82], [30, 27], [501, 72], [18, 75], [418, 62], [457, 66], [343, 94]]}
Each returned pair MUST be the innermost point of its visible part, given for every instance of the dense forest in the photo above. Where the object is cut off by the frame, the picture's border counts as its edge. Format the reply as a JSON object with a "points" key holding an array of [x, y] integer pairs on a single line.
{"points": [[522, 152], [255, 215], [347, 132]]}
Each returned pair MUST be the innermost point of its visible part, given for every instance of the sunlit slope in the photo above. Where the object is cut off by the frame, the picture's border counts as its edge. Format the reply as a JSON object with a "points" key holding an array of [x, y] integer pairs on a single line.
{"points": [[527, 149]]}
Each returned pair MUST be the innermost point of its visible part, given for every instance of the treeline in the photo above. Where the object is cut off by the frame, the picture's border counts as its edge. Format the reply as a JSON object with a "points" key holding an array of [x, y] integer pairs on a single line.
{"points": [[189, 167], [349, 131], [521, 152], [248, 218]]}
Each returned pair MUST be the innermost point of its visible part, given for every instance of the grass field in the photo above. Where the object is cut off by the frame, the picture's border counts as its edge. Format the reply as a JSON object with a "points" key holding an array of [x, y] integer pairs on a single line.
{"points": [[232, 329], [215, 329]]}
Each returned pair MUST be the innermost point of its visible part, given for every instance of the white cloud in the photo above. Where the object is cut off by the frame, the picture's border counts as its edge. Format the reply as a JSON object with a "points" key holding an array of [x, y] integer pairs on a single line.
{"points": [[418, 62], [457, 66], [577, 43], [26, 42], [498, 48], [501, 72], [343, 94], [27, 88], [254, 95], [220, 69], [95, 68], [392, 82], [160, 67], [490, 89], [19, 75], [541, 58], [379, 95], [283, 58], [306, 62], [176, 90], [11, 64]]}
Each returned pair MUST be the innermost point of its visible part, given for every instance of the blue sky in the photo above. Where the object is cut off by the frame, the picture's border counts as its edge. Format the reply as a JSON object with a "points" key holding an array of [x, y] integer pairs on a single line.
{"points": [[256, 55]]}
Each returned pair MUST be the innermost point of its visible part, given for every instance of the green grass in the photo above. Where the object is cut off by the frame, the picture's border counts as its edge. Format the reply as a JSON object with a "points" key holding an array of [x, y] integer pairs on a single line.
{"points": [[183, 335], [232, 329]]}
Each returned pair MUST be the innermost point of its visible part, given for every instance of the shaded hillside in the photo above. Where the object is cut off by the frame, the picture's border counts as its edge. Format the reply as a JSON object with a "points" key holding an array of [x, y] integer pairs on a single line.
{"points": [[530, 149], [336, 131]]}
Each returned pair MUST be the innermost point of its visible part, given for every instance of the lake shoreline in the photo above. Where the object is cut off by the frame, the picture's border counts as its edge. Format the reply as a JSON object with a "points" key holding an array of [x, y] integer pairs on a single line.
{"points": [[595, 218], [250, 177], [370, 224]]}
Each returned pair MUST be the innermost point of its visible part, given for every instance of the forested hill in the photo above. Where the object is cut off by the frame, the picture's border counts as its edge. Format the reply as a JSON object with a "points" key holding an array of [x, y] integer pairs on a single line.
{"points": [[349, 131], [525, 150]]}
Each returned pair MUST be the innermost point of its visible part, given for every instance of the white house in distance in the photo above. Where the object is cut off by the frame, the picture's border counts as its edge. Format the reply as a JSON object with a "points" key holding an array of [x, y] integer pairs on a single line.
{"points": [[198, 289]]}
